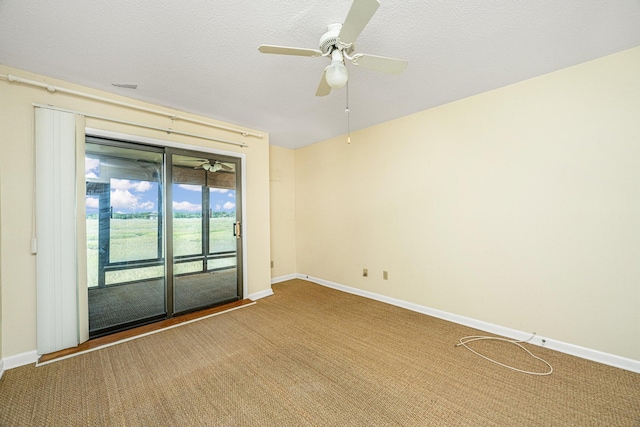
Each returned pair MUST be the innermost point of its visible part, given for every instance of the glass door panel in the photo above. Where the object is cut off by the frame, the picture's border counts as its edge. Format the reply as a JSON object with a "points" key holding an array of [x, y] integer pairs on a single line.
{"points": [[222, 217], [141, 267], [203, 193], [124, 190]]}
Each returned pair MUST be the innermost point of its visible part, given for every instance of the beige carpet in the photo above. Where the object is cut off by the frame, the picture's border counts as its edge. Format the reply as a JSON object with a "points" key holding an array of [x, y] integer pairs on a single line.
{"points": [[312, 356]]}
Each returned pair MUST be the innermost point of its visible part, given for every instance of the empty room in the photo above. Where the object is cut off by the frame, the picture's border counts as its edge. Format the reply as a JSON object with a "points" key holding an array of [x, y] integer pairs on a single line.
{"points": [[338, 213]]}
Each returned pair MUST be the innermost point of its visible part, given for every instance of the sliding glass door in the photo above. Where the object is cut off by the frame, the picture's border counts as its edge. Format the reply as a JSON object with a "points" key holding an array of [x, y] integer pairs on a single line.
{"points": [[205, 214], [148, 259], [125, 244]]}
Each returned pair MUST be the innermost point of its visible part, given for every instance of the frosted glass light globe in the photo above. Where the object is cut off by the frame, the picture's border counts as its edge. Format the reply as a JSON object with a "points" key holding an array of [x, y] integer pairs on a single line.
{"points": [[337, 75]]}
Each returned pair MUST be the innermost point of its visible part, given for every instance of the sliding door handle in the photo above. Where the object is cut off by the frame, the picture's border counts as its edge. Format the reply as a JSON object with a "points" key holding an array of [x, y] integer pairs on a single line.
{"points": [[237, 230]]}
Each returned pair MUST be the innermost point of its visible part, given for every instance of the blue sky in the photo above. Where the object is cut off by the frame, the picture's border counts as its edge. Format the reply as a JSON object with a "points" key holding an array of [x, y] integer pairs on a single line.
{"points": [[187, 198], [128, 196]]}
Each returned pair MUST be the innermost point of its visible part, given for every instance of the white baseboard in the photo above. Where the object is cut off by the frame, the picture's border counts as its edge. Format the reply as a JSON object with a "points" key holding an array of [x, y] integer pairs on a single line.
{"points": [[262, 294], [563, 347], [18, 360], [284, 278]]}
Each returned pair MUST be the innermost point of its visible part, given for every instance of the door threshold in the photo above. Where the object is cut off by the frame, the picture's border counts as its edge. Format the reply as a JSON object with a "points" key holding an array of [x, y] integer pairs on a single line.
{"points": [[140, 331]]}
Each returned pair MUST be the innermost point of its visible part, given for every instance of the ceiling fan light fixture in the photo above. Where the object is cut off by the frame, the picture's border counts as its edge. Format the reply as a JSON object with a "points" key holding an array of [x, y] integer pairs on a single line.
{"points": [[337, 75], [338, 42]]}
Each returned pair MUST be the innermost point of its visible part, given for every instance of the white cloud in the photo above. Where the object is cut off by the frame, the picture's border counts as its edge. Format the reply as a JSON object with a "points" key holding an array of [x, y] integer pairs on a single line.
{"points": [[189, 187], [142, 186], [91, 165], [125, 185], [120, 184], [219, 190], [232, 195], [226, 206], [123, 199], [92, 202], [186, 206]]}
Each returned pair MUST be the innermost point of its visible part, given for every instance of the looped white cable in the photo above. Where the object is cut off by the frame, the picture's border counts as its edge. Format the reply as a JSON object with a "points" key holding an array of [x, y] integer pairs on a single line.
{"points": [[464, 340]]}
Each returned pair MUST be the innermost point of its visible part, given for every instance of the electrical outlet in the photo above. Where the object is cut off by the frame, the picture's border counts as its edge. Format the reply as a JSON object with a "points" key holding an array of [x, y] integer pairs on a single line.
{"points": [[385, 275], [271, 264], [365, 272]]}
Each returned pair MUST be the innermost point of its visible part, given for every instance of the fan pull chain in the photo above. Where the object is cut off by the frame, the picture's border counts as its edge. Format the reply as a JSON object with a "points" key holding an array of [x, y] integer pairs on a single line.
{"points": [[346, 110]]}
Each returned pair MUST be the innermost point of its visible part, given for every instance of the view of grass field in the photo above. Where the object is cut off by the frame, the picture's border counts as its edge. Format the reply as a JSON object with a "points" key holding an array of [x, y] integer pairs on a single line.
{"points": [[137, 239]]}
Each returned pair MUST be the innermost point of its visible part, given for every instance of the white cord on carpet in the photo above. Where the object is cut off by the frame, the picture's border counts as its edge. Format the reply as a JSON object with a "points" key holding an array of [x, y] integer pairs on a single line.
{"points": [[464, 340]]}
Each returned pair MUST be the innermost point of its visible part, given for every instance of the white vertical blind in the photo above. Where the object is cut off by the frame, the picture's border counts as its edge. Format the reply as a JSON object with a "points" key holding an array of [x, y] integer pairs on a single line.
{"points": [[81, 231], [56, 268]]}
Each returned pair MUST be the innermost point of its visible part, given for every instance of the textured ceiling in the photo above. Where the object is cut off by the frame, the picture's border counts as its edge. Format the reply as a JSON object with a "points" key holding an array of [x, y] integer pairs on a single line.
{"points": [[201, 56]]}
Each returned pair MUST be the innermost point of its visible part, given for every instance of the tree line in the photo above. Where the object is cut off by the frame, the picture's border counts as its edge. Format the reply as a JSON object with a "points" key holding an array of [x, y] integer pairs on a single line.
{"points": [[154, 215]]}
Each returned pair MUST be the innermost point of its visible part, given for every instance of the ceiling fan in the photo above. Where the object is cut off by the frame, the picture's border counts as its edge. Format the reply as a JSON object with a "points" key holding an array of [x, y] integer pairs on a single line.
{"points": [[215, 167], [338, 43], [208, 166]]}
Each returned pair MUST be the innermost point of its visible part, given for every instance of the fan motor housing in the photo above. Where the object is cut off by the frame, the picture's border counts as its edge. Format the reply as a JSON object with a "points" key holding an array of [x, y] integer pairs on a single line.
{"points": [[329, 40]]}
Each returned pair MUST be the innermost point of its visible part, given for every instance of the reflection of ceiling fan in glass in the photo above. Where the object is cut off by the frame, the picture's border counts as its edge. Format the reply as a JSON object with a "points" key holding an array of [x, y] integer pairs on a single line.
{"points": [[207, 164], [215, 166]]}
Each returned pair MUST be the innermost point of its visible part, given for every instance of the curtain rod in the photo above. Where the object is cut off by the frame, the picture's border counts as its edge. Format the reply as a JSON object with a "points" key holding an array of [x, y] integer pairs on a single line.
{"points": [[124, 122], [53, 89]]}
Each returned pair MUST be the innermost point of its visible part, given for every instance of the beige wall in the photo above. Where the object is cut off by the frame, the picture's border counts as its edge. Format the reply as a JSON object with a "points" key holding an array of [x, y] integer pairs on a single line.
{"points": [[17, 268], [1, 123], [519, 207], [282, 189]]}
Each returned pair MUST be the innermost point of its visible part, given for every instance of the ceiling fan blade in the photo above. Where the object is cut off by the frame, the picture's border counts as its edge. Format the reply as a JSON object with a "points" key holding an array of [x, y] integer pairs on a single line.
{"points": [[358, 17], [284, 50], [323, 88], [226, 166], [380, 63]]}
